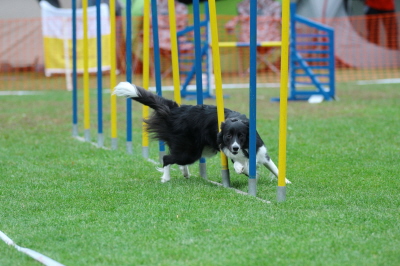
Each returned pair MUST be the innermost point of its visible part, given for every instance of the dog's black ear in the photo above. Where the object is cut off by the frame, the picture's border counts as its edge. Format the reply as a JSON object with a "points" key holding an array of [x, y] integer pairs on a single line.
{"points": [[245, 122], [220, 137], [222, 125]]}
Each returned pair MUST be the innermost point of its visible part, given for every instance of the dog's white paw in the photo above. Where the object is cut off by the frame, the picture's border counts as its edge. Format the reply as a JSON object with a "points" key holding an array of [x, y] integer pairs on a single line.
{"points": [[239, 168], [164, 180], [166, 175], [287, 181]]}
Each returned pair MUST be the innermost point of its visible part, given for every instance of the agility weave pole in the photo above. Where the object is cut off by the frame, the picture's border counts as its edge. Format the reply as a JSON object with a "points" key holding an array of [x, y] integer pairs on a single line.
{"points": [[113, 82], [198, 67], [281, 190], [86, 92], [253, 99], [146, 74], [100, 137], [128, 53], [174, 52], [218, 85], [74, 75], [157, 63]]}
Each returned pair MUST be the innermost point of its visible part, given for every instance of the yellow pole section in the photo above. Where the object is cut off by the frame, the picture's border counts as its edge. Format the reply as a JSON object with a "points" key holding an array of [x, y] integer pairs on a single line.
{"points": [[86, 92], [271, 44], [217, 72], [113, 81], [146, 65], [263, 44], [284, 92], [174, 51]]}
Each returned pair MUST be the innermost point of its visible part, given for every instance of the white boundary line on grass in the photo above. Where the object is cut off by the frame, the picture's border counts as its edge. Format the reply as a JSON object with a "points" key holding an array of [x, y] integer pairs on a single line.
{"points": [[19, 93], [31, 253], [378, 81]]}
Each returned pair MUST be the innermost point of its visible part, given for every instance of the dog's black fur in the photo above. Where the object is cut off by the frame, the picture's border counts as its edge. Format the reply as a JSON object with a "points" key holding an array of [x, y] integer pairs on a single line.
{"points": [[191, 131]]}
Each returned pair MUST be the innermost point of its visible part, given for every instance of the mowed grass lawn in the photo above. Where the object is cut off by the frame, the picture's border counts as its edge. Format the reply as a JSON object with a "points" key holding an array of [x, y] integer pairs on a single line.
{"points": [[81, 205]]}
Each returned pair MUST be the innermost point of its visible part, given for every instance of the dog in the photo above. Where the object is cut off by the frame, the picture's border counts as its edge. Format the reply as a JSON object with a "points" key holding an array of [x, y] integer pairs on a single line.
{"points": [[191, 132]]}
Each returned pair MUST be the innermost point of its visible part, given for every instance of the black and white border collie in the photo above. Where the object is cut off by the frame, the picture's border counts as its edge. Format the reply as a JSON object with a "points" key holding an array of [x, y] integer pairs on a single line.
{"points": [[191, 132]]}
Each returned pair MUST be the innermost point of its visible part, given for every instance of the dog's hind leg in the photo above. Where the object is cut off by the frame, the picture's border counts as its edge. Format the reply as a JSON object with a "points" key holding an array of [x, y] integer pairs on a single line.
{"points": [[185, 170]]}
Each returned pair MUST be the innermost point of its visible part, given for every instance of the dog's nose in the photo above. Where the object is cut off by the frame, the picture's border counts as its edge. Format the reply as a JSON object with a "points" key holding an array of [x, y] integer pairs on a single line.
{"points": [[235, 148]]}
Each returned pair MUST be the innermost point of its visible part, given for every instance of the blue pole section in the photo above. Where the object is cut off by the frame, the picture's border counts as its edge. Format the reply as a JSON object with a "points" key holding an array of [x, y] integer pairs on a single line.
{"points": [[74, 76], [100, 140], [292, 51], [208, 53], [332, 64], [198, 67], [253, 97], [197, 48], [128, 37], [157, 60]]}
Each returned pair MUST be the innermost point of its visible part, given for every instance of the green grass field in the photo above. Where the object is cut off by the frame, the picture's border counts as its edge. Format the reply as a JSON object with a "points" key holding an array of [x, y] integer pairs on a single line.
{"points": [[81, 205]]}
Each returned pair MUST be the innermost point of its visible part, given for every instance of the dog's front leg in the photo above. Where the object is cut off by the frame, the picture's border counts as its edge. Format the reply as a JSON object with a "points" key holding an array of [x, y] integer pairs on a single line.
{"points": [[272, 167], [239, 168], [166, 174]]}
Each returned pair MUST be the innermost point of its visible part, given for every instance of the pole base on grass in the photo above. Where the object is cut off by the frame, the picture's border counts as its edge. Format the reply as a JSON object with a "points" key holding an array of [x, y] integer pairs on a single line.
{"points": [[74, 130], [203, 170], [281, 194], [100, 140], [114, 143], [253, 186], [87, 135], [226, 181], [145, 152], [129, 147]]}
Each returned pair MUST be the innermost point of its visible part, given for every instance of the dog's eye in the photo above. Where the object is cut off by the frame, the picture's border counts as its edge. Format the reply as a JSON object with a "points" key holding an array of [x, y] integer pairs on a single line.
{"points": [[228, 136]]}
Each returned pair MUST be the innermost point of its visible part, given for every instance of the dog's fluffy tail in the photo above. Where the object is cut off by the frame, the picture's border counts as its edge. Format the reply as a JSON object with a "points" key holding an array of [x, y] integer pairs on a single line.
{"points": [[139, 94], [126, 89]]}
